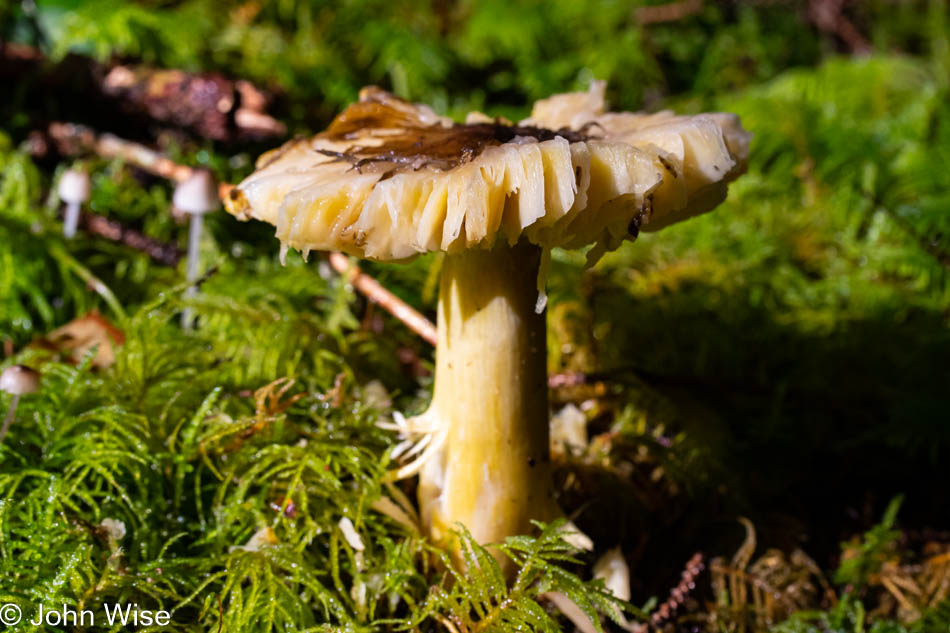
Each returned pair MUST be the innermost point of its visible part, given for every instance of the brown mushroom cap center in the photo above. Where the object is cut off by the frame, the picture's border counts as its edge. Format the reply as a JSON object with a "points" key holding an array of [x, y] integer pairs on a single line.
{"points": [[402, 140]]}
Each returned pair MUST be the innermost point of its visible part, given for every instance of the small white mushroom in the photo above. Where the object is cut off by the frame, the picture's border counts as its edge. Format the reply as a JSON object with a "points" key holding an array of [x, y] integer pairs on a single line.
{"points": [[376, 396], [195, 196], [351, 535], [571, 611], [572, 535], [16, 380], [569, 431], [613, 570], [74, 189], [114, 529], [19, 380]]}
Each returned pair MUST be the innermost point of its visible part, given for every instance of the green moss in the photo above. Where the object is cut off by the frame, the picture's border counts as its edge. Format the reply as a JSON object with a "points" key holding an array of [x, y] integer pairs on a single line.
{"points": [[782, 358]]}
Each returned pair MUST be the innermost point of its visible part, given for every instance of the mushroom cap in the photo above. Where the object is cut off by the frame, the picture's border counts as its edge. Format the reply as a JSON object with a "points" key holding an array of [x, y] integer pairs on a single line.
{"points": [[389, 179], [19, 380], [198, 194], [74, 186]]}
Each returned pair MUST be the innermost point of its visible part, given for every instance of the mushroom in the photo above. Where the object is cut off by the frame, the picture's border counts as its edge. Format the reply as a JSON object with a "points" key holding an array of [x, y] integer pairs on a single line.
{"points": [[389, 180], [195, 196], [74, 189], [16, 380], [613, 570]]}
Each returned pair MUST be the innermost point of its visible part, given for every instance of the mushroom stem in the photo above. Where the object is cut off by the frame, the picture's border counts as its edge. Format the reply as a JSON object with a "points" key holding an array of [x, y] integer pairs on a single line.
{"points": [[194, 265], [8, 420], [492, 470], [71, 220]]}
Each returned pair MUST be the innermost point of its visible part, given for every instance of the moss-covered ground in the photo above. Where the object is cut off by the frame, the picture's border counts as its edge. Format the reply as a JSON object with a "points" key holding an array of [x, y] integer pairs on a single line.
{"points": [[769, 384]]}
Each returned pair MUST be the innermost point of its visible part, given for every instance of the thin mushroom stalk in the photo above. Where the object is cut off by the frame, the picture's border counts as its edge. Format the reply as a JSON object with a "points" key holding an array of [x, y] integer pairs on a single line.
{"points": [[8, 419], [17, 380], [193, 265], [195, 196], [71, 220], [389, 180], [195, 225]]}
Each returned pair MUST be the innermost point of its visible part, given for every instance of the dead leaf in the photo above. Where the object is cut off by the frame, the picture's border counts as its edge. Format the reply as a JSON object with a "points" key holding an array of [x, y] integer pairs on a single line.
{"points": [[75, 339]]}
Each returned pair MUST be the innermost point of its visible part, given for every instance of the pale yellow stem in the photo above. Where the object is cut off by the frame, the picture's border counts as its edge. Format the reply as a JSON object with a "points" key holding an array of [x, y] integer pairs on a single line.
{"points": [[491, 471]]}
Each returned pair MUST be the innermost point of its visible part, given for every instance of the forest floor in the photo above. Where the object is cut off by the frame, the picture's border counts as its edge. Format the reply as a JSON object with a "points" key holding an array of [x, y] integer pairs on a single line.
{"points": [[767, 387]]}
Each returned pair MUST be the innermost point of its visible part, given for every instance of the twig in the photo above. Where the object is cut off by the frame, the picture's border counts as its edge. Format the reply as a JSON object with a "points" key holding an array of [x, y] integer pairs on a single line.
{"points": [[167, 254], [828, 16], [378, 294], [21, 52], [71, 138], [208, 105], [667, 12], [570, 379]]}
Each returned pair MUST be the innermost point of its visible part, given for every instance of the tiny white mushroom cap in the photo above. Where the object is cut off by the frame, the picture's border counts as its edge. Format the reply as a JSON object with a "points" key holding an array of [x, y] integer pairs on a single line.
{"points": [[19, 380], [114, 529], [74, 186], [569, 429], [351, 535], [613, 570], [198, 194]]}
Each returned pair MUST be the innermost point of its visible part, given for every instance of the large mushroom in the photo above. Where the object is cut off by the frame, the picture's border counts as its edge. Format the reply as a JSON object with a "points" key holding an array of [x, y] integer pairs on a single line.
{"points": [[389, 180]]}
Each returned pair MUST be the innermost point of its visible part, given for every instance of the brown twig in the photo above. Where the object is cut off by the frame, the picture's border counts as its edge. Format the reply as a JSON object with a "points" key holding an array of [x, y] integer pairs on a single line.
{"points": [[667, 12], [20, 52], [207, 103], [167, 254], [569, 379], [71, 138], [375, 292], [135, 97], [828, 16]]}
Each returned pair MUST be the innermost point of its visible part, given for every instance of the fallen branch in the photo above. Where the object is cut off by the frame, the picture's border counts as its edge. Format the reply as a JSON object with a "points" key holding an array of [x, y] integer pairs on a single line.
{"points": [[377, 293], [134, 98], [167, 254], [569, 379], [72, 139], [828, 16], [207, 103], [671, 12]]}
